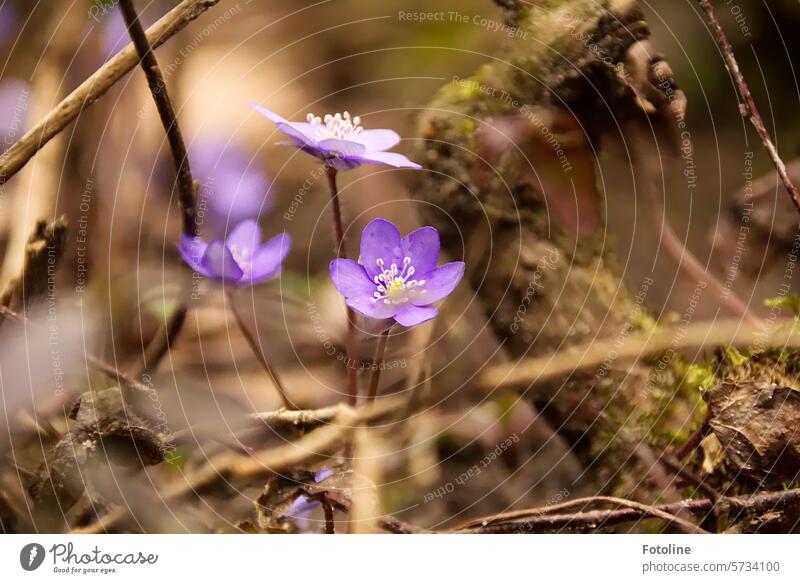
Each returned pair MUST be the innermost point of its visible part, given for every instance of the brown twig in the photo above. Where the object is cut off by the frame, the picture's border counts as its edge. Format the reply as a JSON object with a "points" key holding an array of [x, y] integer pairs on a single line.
{"points": [[642, 510], [95, 87], [158, 89], [341, 253], [694, 440], [545, 519], [747, 106]]}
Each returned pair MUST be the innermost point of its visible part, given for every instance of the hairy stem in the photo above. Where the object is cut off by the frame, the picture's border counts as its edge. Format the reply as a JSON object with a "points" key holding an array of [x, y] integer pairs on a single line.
{"points": [[256, 348], [377, 362], [341, 253]]}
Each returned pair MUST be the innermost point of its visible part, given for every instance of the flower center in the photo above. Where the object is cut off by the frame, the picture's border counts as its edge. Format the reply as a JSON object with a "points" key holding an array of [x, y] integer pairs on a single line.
{"points": [[339, 126], [243, 258], [395, 285]]}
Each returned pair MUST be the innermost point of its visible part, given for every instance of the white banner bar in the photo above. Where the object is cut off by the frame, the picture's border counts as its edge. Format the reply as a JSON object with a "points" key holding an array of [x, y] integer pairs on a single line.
{"points": [[397, 558]]}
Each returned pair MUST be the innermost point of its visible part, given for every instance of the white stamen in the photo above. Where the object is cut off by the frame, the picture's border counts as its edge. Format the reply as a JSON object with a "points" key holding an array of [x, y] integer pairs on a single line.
{"points": [[340, 126], [395, 285]]}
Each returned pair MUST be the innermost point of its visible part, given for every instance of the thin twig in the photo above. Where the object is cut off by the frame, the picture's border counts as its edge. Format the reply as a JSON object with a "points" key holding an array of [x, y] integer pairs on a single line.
{"points": [[643, 510], [341, 253], [262, 359], [95, 87], [158, 89], [545, 519], [748, 107]]}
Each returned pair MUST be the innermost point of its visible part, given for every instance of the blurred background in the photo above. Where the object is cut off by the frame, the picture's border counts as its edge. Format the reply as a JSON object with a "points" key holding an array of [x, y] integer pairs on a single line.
{"points": [[110, 172]]}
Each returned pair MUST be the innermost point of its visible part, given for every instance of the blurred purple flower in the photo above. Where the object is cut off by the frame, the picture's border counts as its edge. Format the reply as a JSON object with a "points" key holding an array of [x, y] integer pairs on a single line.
{"points": [[323, 474], [302, 507], [8, 22], [340, 140], [300, 511], [235, 189], [241, 259], [14, 97], [398, 278]]}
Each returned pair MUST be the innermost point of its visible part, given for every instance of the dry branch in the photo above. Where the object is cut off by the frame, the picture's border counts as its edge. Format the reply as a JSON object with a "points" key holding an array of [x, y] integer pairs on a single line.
{"points": [[95, 87], [748, 105], [543, 520]]}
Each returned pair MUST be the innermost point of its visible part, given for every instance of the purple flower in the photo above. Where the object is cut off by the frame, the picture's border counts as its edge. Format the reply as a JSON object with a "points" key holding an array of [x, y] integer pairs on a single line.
{"points": [[398, 277], [300, 511], [340, 140], [241, 259], [323, 474], [235, 188]]}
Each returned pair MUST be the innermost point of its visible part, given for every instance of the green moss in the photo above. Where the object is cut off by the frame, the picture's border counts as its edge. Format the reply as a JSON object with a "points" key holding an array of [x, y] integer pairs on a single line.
{"points": [[790, 302]]}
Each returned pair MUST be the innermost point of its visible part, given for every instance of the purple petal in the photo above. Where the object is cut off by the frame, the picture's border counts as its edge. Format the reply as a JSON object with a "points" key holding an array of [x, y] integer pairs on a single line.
{"points": [[379, 140], [218, 263], [350, 279], [344, 148], [300, 510], [386, 158], [268, 259], [246, 235], [439, 283], [380, 240], [301, 132], [323, 474], [192, 250], [366, 307], [410, 315], [422, 246]]}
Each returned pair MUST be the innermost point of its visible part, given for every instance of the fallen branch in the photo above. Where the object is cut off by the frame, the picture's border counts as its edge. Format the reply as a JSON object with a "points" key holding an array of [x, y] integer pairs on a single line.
{"points": [[95, 87], [542, 520], [592, 355]]}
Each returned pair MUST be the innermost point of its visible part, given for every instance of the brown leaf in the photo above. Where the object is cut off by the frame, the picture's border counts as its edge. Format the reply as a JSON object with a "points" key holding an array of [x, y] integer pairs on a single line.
{"points": [[758, 427]]}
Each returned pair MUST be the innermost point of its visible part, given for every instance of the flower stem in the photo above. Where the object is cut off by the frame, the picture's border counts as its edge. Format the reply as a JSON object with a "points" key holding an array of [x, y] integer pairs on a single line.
{"points": [[377, 362], [341, 253], [254, 346]]}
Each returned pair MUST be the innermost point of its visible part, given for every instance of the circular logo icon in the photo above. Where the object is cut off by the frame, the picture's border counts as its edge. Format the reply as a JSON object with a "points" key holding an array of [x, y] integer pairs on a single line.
{"points": [[31, 556]]}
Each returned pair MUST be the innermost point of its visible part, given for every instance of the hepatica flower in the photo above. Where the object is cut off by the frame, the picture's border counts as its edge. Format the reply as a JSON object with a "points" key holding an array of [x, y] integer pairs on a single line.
{"points": [[397, 277], [340, 140], [241, 259], [237, 190], [302, 507]]}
